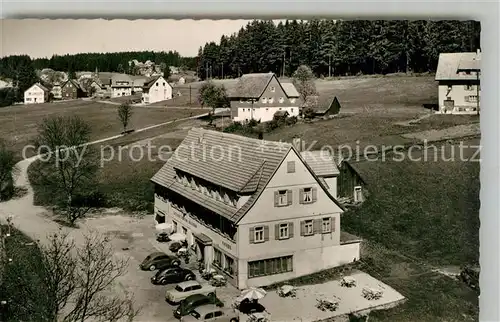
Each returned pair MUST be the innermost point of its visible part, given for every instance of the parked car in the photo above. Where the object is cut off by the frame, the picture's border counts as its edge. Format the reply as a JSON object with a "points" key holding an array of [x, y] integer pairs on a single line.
{"points": [[193, 301], [172, 275], [211, 313], [159, 260], [185, 289]]}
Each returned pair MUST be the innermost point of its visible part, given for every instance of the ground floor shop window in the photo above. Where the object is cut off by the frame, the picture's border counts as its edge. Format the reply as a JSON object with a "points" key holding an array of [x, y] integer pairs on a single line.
{"points": [[270, 266], [217, 257]]}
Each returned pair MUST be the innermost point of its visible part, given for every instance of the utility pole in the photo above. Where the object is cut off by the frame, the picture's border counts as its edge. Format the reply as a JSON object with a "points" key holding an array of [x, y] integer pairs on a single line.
{"points": [[284, 62], [329, 65]]}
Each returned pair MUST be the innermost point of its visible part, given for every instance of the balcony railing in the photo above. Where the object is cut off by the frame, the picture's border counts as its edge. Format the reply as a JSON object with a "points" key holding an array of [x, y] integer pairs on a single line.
{"points": [[198, 220]]}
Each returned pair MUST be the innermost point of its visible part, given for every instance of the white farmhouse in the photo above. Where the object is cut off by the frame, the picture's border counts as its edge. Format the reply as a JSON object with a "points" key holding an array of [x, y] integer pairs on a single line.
{"points": [[156, 89], [260, 96], [36, 94], [458, 76]]}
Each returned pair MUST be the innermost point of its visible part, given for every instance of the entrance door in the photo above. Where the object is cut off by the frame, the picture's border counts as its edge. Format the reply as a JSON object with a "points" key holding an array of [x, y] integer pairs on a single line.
{"points": [[449, 104]]}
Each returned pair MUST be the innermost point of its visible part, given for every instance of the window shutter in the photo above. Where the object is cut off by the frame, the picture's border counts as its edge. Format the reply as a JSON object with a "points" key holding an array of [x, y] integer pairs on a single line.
{"points": [[290, 230], [302, 228], [332, 224], [277, 231], [317, 226], [289, 197], [266, 233], [290, 166], [276, 198], [314, 192], [301, 195], [252, 235]]}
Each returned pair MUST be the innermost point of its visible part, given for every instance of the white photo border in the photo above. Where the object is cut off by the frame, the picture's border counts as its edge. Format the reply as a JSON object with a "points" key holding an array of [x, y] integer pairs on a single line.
{"points": [[487, 12]]}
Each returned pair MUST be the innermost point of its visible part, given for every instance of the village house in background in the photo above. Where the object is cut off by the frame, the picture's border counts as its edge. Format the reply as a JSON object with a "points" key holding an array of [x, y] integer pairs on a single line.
{"points": [[458, 75], [36, 94], [121, 85], [222, 205], [156, 89], [56, 91], [138, 83], [323, 106], [71, 89], [259, 96], [351, 187]]}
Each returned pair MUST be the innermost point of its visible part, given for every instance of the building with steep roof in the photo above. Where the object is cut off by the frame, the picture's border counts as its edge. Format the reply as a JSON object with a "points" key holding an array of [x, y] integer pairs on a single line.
{"points": [[458, 77], [156, 89], [71, 89], [36, 94], [252, 209], [259, 96], [323, 106]]}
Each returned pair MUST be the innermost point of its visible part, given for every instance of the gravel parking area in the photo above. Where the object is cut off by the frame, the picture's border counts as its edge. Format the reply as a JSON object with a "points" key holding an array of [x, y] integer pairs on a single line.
{"points": [[134, 239]]}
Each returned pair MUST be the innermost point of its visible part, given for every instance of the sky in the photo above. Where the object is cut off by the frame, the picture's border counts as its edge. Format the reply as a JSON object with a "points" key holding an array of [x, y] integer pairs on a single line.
{"points": [[45, 37]]}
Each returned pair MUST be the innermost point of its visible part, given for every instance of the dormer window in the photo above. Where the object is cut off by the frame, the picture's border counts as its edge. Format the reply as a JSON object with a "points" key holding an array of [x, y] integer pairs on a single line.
{"points": [[264, 100], [273, 89], [270, 100], [282, 100]]}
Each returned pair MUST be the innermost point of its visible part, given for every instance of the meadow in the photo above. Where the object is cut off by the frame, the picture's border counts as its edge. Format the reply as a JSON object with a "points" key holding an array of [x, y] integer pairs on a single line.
{"points": [[19, 123]]}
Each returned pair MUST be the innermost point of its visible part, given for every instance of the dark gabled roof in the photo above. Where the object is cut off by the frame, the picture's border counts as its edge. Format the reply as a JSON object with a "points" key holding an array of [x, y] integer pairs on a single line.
{"points": [[319, 103], [251, 85], [362, 168], [237, 163], [74, 82], [151, 80]]}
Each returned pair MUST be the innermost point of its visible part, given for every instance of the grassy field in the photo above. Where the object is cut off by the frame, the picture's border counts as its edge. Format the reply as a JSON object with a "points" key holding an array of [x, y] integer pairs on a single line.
{"points": [[125, 172], [26, 260], [428, 209], [18, 124]]}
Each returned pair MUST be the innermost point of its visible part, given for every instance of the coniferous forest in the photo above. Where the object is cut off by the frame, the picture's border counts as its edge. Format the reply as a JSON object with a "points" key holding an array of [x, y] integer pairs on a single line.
{"points": [[349, 47]]}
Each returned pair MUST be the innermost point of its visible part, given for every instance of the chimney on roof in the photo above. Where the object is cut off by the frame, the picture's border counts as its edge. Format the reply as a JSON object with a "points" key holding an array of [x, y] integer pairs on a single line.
{"points": [[478, 54]]}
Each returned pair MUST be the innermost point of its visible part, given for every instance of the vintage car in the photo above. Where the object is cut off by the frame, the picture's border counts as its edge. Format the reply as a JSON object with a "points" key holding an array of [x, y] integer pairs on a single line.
{"points": [[172, 275], [193, 301], [211, 313], [159, 260], [185, 289]]}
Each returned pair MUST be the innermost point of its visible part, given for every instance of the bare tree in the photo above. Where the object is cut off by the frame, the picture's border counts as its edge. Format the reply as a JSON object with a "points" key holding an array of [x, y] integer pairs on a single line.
{"points": [[95, 274], [125, 114], [303, 79], [64, 140], [58, 271], [7, 170], [79, 280]]}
